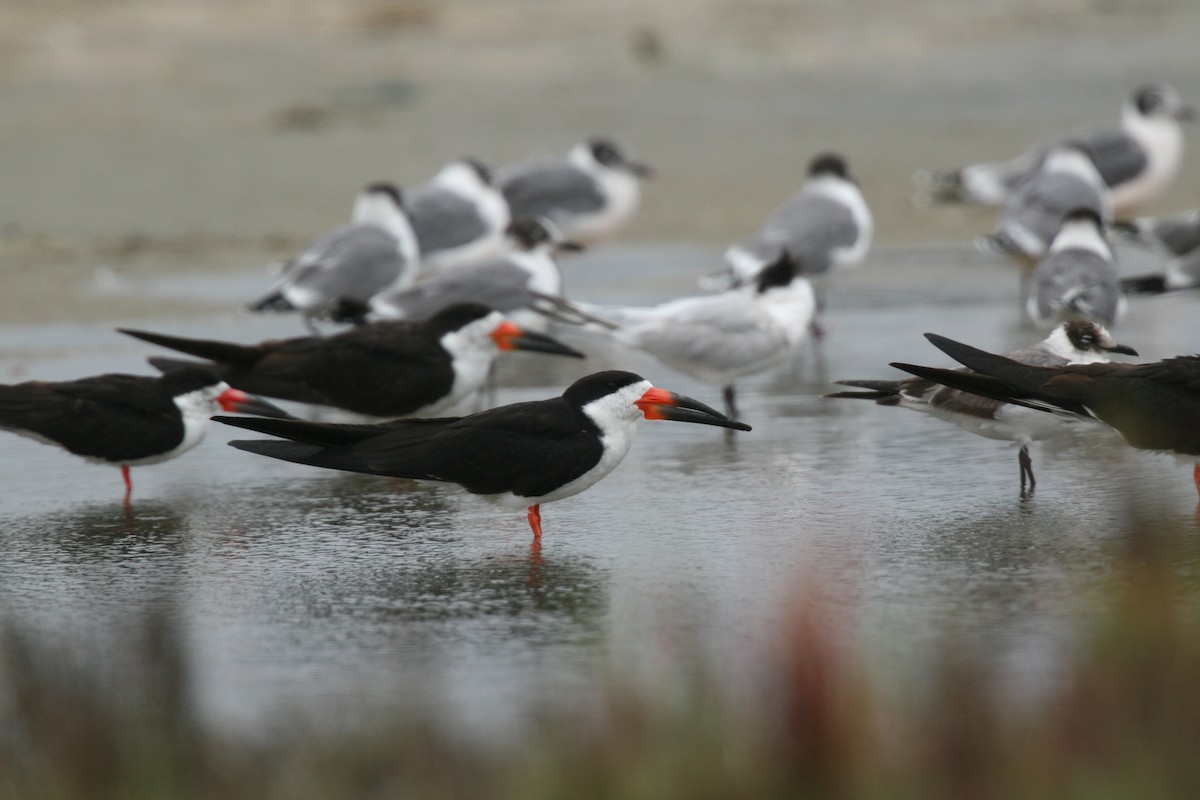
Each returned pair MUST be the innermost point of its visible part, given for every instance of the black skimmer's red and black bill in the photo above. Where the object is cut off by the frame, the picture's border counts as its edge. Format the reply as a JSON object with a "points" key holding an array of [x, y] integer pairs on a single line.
{"points": [[589, 195], [377, 250], [1074, 342], [459, 216], [523, 454], [1154, 406], [382, 370], [124, 420], [1137, 159], [715, 338]]}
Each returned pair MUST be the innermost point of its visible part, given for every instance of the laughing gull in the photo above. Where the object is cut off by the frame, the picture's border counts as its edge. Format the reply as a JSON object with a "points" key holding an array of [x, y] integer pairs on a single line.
{"points": [[459, 216], [378, 371], [124, 420], [1078, 277], [1137, 160], [1154, 406], [1033, 213], [1175, 235], [511, 283], [589, 195], [353, 262], [717, 338], [521, 455], [1075, 342]]}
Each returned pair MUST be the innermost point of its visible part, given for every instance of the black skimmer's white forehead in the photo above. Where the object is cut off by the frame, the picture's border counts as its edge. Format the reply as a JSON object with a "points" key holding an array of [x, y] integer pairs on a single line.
{"points": [[124, 420], [589, 195], [523, 454], [377, 371], [1078, 276], [1077, 341], [714, 338], [1154, 406], [1138, 159], [352, 262], [826, 226], [459, 216]]}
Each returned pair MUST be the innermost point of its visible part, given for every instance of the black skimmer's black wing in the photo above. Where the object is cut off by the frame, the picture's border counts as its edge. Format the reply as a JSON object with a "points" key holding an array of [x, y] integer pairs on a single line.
{"points": [[382, 369]]}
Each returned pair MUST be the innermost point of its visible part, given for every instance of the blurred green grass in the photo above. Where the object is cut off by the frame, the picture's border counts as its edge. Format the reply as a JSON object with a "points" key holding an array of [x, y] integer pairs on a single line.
{"points": [[1122, 722]]}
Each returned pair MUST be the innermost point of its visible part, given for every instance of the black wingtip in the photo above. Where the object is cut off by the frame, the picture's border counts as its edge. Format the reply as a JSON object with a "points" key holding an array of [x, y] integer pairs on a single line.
{"points": [[1144, 284]]}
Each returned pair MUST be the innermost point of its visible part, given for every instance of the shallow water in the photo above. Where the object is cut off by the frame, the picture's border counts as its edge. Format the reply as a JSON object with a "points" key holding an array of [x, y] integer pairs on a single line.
{"points": [[305, 594]]}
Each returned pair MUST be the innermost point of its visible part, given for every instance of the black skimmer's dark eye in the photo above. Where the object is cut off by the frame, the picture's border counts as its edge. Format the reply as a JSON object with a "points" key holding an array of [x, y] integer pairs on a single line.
{"points": [[661, 404]]}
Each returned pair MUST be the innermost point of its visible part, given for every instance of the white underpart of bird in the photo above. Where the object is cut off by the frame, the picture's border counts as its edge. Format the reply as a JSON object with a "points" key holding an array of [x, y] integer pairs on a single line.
{"points": [[1078, 276]]}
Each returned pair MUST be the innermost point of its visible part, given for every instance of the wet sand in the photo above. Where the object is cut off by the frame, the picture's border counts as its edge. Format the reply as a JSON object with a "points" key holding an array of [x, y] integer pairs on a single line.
{"points": [[143, 138]]}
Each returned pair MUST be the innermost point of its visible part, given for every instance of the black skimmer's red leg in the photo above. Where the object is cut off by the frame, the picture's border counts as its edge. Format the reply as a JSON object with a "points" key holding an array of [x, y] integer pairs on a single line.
{"points": [[382, 370], [524, 454]]}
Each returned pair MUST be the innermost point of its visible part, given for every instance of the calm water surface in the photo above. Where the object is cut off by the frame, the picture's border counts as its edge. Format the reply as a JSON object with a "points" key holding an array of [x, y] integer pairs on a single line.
{"points": [[301, 593]]}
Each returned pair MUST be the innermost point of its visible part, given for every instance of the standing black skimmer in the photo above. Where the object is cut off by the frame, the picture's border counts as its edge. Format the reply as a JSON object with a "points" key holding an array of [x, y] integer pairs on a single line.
{"points": [[1177, 236], [589, 195], [510, 283], [1154, 406], [1137, 160], [381, 370], [1075, 342], [459, 216], [1034, 211], [378, 249], [1078, 277], [716, 338], [520, 455], [124, 420]]}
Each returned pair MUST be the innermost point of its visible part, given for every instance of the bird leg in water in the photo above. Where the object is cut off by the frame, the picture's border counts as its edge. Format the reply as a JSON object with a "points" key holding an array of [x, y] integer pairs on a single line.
{"points": [[731, 410], [1027, 467], [535, 522], [128, 482]]}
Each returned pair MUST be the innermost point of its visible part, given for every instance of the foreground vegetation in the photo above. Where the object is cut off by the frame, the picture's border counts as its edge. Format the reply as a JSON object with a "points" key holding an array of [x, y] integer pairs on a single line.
{"points": [[1124, 722]]}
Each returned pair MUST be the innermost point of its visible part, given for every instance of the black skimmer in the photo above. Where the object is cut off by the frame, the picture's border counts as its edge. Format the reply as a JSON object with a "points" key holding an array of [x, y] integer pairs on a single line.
{"points": [[1137, 160], [522, 455], [511, 283], [1078, 276], [124, 420], [1074, 342], [1177, 236], [590, 195], [378, 249], [719, 337], [459, 216], [1034, 211], [381, 370], [1154, 406]]}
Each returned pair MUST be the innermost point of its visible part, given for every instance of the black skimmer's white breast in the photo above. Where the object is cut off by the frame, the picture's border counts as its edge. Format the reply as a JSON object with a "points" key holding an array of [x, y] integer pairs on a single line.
{"points": [[1073, 342], [459, 216], [589, 195], [1078, 276], [351, 263], [124, 420], [381, 370], [1137, 159], [511, 283], [520, 455], [1154, 406]]}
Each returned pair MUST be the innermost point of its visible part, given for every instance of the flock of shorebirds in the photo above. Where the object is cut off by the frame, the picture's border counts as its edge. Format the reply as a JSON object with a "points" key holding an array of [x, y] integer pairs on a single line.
{"points": [[428, 285]]}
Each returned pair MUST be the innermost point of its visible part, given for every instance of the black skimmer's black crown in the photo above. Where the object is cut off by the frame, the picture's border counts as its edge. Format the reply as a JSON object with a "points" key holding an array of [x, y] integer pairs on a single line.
{"points": [[524, 454]]}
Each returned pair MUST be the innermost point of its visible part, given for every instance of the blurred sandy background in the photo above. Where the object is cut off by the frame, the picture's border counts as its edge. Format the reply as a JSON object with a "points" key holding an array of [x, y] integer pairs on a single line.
{"points": [[142, 136]]}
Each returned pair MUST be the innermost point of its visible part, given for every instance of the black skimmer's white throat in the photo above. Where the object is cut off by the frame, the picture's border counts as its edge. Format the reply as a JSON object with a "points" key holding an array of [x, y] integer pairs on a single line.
{"points": [[510, 283], [1177, 236], [377, 250], [1075, 342], [1078, 276], [522, 455], [459, 216], [590, 195], [716, 338], [1137, 159], [124, 420], [377, 371], [1154, 406]]}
